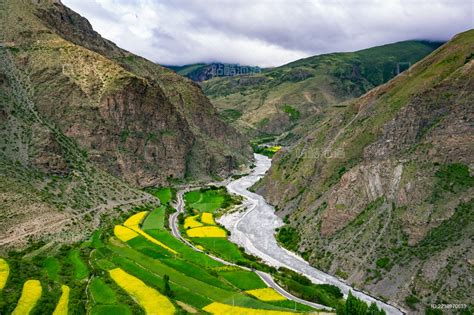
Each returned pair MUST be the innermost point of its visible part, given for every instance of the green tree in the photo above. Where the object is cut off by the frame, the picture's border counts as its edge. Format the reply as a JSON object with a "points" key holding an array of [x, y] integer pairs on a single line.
{"points": [[167, 289]]}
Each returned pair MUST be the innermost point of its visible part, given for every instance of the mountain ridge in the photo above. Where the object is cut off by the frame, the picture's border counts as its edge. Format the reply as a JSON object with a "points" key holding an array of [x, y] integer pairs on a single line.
{"points": [[402, 180]]}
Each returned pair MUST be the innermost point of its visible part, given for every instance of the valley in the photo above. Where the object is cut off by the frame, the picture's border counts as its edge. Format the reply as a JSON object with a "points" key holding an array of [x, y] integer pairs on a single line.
{"points": [[340, 183]]}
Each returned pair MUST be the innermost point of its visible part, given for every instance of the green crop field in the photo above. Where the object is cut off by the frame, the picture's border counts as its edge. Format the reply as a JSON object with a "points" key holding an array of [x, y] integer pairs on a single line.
{"points": [[206, 200], [101, 292], [155, 220], [243, 280], [179, 273], [165, 194], [223, 247], [80, 268]]}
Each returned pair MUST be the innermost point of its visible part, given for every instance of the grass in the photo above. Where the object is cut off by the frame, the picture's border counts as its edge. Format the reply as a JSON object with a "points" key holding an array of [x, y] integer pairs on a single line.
{"points": [[111, 309], [52, 267], [101, 292], [63, 304], [4, 271], [244, 280], [155, 220], [80, 269], [30, 295], [148, 298]]}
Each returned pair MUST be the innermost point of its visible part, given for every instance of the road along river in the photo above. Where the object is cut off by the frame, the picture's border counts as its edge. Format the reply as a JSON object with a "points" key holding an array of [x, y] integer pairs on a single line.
{"points": [[254, 229]]}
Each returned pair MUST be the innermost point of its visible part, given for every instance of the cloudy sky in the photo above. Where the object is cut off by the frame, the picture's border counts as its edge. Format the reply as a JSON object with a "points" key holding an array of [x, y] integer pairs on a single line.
{"points": [[267, 32]]}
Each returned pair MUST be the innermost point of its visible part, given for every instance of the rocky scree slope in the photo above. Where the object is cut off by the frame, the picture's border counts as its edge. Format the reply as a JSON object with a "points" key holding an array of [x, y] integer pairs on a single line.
{"points": [[380, 193], [280, 98], [84, 121]]}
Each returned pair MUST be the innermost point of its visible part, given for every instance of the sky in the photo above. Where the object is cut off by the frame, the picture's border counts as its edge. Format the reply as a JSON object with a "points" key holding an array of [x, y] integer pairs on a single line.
{"points": [[267, 33]]}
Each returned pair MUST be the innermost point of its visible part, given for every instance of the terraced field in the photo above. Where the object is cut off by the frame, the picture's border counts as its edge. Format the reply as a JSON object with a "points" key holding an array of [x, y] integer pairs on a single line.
{"points": [[132, 266]]}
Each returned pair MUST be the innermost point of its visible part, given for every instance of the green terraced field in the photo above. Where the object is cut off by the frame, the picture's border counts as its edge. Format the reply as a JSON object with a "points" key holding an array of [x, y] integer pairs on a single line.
{"points": [[185, 276], [165, 194], [80, 269], [243, 280], [101, 292], [155, 220], [208, 200]]}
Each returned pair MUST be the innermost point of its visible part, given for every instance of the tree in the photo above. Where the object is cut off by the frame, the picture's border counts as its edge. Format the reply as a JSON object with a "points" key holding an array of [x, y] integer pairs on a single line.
{"points": [[167, 289]]}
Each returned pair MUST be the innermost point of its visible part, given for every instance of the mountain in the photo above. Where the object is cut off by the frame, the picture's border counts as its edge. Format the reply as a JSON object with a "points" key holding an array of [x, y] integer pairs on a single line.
{"points": [[84, 123], [205, 71], [380, 193], [277, 99]]}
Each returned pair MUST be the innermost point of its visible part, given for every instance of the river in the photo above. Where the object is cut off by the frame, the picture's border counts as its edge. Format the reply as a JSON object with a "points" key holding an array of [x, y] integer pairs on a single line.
{"points": [[254, 229]]}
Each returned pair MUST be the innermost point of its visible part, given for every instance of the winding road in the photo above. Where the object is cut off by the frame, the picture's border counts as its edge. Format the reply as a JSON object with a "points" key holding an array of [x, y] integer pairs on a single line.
{"points": [[254, 229], [267, 278]]}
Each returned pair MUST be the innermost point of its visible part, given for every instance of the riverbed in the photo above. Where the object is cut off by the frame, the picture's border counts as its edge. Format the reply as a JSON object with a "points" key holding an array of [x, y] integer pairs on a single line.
{"points": [[254, 229]]}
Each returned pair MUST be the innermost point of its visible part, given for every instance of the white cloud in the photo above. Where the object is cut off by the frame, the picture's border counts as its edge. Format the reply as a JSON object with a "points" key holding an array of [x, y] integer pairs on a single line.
{"points": [[266, 32]]}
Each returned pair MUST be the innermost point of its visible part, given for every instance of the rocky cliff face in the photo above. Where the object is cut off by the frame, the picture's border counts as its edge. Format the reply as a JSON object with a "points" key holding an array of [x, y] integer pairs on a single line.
{"points": [[380, 193], [97, 111]]}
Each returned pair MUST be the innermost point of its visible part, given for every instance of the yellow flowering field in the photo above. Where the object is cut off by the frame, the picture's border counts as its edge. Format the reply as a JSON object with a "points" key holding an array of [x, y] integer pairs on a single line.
{"points": [[4, 272], [148, 298], [208, 218], [132, 229], [266, 294], [62, 306], [124, 234], [191, 222], [135, 219], [29, 296], [224, 309], [206, 231]]}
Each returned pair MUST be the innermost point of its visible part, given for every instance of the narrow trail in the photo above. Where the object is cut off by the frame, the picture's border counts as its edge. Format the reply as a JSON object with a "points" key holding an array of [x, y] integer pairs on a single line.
{"points": [[99, 208]]}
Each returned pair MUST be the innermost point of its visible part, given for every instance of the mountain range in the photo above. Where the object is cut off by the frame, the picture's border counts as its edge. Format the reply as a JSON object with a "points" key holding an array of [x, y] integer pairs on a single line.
{"points": [[85, 123]]}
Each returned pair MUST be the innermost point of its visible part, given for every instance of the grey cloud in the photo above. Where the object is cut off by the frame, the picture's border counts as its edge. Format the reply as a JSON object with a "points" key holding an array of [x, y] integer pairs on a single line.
{"points": [[265, 32]]}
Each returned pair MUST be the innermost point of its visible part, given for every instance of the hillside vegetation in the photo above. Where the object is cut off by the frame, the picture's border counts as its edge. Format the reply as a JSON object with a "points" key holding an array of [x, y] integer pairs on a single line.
{"points": [[278, 99], [84, 122], [376, 193]]}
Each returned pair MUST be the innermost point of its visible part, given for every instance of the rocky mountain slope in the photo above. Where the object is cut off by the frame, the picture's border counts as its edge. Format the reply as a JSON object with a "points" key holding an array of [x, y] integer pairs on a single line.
{"points": [[380, 193], [277, 99], [83, 121]]}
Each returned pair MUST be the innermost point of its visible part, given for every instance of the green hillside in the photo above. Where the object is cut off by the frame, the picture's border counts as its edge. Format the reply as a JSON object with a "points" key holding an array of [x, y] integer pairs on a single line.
{"points": [[277, 99], [377, 191]]}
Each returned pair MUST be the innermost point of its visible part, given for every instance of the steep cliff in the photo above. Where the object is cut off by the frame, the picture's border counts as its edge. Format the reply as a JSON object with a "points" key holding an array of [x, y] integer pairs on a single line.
{"points": [[75, 106], [380, 193]]}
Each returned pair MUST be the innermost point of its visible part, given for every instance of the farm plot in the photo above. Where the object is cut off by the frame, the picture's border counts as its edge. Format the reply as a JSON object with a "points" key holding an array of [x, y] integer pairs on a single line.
{"points": [[63, 303], [30, 294], [4, 271], [206, 200], [148, 298]]}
